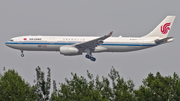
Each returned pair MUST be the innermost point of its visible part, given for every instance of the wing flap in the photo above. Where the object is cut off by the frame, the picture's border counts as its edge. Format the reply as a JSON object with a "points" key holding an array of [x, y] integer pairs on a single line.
{"points": [[93, 43]]}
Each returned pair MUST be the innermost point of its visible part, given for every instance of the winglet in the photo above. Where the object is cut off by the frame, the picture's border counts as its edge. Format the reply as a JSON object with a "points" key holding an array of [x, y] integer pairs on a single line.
{"points": [[108, 35], [111, 32]]}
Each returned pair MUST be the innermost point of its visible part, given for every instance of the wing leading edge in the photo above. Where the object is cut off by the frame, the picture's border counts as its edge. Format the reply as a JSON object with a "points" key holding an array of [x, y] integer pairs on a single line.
{"points": [[93, 43]]}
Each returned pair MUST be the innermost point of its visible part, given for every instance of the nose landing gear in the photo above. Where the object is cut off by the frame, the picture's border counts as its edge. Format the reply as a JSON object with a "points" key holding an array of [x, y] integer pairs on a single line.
{"points": [[22, 55]]}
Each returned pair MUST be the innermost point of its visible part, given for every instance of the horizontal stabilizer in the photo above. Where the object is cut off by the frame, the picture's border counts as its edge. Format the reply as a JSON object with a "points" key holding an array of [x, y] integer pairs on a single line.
{"points": [[165, 40]]}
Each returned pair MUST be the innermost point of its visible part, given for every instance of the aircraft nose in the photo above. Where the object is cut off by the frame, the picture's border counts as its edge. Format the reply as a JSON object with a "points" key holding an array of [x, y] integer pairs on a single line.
{"points": [[7, 43], [10, 44]]}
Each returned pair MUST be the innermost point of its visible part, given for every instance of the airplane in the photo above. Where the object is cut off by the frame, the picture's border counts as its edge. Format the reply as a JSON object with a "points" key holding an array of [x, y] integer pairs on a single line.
{"points": [[77, 45]]}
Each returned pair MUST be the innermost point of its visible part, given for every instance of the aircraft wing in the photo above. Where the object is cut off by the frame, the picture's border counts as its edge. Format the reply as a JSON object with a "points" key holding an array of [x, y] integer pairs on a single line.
{"points": [[91, 44]]}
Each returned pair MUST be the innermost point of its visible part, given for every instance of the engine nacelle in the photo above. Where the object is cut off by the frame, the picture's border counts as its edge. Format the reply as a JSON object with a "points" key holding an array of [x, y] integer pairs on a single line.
{"points": [[69, 50]]}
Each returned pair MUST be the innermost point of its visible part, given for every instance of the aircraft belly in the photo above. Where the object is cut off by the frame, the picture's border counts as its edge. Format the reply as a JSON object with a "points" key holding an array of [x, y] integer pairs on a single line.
{"points": [[100, 49], [35, 47], [124, 48], [42, 47], [56, 46]]}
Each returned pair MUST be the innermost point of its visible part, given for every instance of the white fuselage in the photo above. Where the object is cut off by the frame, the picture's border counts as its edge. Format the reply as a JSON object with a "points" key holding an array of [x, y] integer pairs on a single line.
{"points": [[53, 43], [74, 45]]}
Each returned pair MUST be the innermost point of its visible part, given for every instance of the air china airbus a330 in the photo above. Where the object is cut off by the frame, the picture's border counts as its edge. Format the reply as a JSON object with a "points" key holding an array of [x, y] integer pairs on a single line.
{"points": [[76, 45]]}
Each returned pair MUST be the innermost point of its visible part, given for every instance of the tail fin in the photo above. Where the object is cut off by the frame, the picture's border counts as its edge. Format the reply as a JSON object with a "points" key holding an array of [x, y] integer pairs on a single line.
{"points": [[162, 29]]}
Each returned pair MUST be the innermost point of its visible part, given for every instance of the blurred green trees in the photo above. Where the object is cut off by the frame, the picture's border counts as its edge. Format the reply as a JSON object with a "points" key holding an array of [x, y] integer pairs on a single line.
{"points": [[14, 88], [42, 86], [159, 88], [81, 89], [78, 88]]}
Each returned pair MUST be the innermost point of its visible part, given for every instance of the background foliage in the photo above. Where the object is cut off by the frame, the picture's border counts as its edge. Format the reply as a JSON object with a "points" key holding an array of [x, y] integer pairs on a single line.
{"points": [[78, 88]]}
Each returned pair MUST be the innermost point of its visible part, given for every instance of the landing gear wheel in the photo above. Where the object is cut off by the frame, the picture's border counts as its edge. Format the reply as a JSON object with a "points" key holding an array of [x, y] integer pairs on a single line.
{"points": [[93, 59], [22, 55], [87, 56]]}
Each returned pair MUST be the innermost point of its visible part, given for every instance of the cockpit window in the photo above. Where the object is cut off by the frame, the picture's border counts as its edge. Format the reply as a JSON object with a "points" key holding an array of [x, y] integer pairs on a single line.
{"points": [[11, 40]]}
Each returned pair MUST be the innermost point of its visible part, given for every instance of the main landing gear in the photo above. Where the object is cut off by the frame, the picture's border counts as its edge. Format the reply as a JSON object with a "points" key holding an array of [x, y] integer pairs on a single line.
{"points": [[89, 56], [22, 55]]}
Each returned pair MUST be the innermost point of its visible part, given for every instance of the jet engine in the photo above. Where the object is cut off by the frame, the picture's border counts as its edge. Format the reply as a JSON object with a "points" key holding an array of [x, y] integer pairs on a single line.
{"points": [[69, 50]]}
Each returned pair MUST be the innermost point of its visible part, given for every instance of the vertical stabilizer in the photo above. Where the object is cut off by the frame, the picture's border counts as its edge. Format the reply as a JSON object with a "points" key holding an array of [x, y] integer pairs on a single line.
{"points": [[163, 28]]}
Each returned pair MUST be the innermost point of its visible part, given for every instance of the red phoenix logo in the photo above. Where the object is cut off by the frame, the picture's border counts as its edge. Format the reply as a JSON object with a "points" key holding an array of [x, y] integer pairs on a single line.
{"points": [[165, 28]]}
